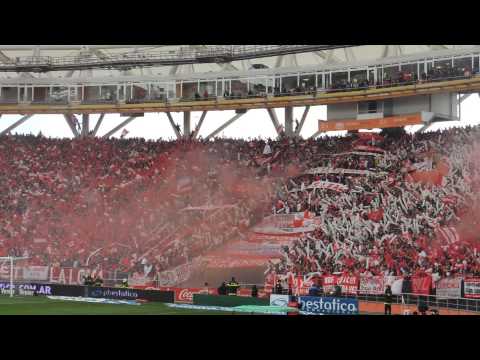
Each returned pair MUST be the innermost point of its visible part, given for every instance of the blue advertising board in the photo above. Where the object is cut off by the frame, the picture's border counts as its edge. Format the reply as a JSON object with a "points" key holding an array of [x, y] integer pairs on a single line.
{"points": [[329, 305]]}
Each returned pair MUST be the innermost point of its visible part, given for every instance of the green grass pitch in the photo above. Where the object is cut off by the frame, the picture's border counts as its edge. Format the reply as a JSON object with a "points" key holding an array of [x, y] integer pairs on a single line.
{"points": [[29, 305]]}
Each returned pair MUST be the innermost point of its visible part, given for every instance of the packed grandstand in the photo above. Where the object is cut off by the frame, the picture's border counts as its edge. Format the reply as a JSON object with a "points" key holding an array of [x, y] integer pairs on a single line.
{"points": [[390, 204]]}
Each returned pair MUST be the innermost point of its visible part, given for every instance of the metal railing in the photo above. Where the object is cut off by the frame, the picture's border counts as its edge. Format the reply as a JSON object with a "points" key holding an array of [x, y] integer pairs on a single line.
{"points": [[241, 96], [212, 54], [432, 301]]}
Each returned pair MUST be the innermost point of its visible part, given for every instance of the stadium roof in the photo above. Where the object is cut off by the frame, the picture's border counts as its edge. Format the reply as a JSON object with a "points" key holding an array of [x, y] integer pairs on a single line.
{"points": [[339, 54]]}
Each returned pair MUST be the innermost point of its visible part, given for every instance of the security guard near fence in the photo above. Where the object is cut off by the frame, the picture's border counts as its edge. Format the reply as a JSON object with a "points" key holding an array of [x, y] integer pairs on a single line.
{"points": [[254, 291], [98, 281], [124, 283], [88, 280], [222, 289], [232, 287], [388, 300]]}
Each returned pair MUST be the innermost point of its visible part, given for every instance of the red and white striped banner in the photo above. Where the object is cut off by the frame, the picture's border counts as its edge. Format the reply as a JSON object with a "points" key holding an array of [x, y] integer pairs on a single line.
{"points": [[447, 234], [328, 185], [330, 170]]}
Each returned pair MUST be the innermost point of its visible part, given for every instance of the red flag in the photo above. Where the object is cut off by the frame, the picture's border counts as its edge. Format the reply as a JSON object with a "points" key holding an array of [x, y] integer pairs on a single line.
{"points": [[297, 222], [450, 199], [376, 215]]}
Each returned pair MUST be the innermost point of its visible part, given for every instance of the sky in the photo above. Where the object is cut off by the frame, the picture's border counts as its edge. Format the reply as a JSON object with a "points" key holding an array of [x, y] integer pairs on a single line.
{"points": [[253, 124]]}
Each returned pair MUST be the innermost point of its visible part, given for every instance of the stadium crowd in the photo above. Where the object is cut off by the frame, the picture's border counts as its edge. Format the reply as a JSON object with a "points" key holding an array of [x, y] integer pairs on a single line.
{"points": [[128, 205], [145, 206], [409, 212]]}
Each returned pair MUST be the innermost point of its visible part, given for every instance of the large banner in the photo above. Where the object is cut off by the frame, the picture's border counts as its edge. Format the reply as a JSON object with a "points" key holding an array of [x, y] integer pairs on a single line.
{"points": [[137, 279], [177, 275], [281, 239], [228, 262], [70, 276], [421, 285], [449, 287], [328, 186], [280, 225], [375, 285], [35, 273], [369, 149], [472, 288], [434, 177], [372, 285], [328, 170], [386, 122], [329, 305], [248, 248], [348, 284]]}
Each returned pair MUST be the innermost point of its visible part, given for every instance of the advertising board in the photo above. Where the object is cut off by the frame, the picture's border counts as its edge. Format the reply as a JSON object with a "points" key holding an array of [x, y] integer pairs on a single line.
{"points": [[129, 294], [279, 300], [449, 288], [26, 289], [329, 305]]}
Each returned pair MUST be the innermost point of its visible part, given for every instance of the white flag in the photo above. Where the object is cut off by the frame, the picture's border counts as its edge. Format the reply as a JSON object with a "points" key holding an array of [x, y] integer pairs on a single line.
{"points": [[124, 133]]}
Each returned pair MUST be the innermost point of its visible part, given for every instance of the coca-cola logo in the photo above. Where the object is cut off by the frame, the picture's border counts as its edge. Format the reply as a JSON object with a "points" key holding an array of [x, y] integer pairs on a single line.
{"points": [[185, 295]]}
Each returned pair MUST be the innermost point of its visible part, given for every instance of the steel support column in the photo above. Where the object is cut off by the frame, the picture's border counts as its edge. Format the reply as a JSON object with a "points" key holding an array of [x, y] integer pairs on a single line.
{"points": [[224, 126], [118, 127], [302, 121], [97, 125], [85, 125], [423, 128], [177, 133], [289, 121], [186, 124], [15, 124], [463, 97], [276, 123], [71, 124], [199, 125]]}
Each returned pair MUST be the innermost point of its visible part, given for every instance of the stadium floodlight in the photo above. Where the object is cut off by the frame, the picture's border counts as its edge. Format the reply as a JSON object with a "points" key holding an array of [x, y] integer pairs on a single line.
{"points": [[11, 260]]}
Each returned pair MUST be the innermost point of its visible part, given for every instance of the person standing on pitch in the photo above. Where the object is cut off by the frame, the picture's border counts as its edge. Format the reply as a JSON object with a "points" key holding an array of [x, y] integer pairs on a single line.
{"points": [[388, 300], [222, 290], [98, 281], [254, 291], [232, 287]]}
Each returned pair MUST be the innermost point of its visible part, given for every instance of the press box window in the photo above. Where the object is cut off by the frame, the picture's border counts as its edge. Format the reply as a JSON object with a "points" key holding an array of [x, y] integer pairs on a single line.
{"points": [[370, 107]]}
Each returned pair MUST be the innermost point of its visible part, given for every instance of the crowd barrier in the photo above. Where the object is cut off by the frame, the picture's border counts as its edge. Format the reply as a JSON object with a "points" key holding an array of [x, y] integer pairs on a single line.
{"points": [[455, 287], [432, 301]]}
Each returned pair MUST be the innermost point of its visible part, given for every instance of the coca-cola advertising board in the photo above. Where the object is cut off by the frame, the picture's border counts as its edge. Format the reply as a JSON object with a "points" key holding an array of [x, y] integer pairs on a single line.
{"points": [[185, 295]]}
